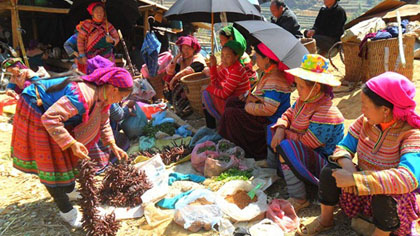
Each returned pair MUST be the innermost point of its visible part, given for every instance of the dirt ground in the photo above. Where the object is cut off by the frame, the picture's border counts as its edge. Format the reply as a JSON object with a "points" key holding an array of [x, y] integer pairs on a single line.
{"points": [[27, 209]]}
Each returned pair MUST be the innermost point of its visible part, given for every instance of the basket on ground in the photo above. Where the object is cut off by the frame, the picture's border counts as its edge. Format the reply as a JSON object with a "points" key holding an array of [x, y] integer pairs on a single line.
{"points": [[157, 84], [193, 87]]}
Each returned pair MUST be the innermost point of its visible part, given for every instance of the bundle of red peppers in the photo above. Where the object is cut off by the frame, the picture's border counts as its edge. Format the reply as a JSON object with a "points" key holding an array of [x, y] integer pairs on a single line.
{"points": [[169, 154], [122, 186]]}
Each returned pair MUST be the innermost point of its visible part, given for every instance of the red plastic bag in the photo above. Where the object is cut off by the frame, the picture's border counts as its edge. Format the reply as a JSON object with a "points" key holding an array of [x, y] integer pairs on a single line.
{"points": [[282, 213], [150, 109]]}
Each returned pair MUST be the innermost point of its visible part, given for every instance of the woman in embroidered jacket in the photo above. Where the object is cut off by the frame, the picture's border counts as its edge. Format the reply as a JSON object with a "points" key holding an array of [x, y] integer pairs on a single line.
{"points": [[21, 76], [308, 132], [245, 120], [187, 61], [385, 182], [96, 36], [227, 80], [59, 120]]}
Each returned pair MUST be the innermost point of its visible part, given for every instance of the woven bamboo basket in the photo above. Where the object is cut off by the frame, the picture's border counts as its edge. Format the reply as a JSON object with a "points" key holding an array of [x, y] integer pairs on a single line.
{"points": [[310, 44], [354, 65], [383, 55], [157, 84], [193, 86]]}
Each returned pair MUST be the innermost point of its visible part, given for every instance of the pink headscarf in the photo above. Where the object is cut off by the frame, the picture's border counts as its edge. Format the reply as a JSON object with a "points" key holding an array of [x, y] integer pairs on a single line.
{"points": [[189, 41], [399, 91], [282, 67], [116, 76]]}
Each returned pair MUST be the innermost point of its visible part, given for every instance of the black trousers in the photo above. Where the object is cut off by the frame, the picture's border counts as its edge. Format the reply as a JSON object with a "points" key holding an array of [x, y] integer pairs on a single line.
{"points": [[210, 120], [59, 194], [384, 208]]}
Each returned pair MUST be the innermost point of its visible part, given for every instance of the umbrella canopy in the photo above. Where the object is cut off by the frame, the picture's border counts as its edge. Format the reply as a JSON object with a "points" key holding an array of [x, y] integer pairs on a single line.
{"points": [[121, 14], [287, 48], [201, 10]]}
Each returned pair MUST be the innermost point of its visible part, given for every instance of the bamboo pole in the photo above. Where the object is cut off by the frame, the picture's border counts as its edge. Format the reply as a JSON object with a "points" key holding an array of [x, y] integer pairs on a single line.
{"points": [[212, 34], [17, 33]]}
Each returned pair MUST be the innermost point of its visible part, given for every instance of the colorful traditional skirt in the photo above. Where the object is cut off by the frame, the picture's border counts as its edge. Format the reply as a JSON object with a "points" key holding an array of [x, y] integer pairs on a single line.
{"points": [[407, 209], [34, 150], [215, 106], [243, 129], [305, 163], [100, 154]]}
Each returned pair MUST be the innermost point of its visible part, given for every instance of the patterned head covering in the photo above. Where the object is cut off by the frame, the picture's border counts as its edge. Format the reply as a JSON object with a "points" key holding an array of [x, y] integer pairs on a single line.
{"points": [[399, 91], [96, 63], [13, 62], [282, 67], [314, 68], [236, 47], [189, 41], [116, 76], [93, 5]]}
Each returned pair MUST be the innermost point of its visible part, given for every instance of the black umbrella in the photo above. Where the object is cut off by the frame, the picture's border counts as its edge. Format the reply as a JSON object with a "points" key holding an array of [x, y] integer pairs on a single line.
{"points": [[287, 48], [122, 14], [212, 11]]}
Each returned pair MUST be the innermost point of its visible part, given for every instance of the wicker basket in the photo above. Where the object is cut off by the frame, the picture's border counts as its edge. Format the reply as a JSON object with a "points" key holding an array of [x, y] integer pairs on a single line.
{"points": [[157, 84], [310, 44], [383, 55], [352, 62], [194, 83]]}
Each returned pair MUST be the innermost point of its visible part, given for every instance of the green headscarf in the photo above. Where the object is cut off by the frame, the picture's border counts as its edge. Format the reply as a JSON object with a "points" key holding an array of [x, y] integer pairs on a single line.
{"points": [[236, 47], [236, 35]]}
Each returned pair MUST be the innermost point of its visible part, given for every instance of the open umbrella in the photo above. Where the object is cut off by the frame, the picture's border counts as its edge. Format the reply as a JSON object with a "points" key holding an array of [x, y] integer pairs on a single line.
{"points": [[287, 48], [212, 11], [121, 14]]}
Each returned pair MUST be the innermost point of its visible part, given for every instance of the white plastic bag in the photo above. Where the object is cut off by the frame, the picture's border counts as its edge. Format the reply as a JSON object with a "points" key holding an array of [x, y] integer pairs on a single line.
{"points": [[196, 217], [157, 175], [266, 227], [249, 212]]}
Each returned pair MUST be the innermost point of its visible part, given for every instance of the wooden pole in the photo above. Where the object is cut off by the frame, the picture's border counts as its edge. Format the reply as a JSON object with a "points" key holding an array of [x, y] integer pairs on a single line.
{"points": [[212, 34], [13, 15], [16, 32], [127, 54]]}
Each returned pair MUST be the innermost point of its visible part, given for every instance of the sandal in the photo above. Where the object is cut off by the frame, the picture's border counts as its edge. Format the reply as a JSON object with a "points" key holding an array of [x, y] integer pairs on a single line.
{"points": [[313, 228], [298, 206]]}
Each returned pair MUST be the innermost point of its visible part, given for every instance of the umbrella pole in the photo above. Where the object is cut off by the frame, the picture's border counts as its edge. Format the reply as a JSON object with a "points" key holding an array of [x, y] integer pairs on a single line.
{"points": [[212, 33]]}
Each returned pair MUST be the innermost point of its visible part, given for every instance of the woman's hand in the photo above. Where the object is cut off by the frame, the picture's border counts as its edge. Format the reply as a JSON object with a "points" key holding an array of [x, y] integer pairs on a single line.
{"points": [[343, 178], [252, 99], [80, 151], [83, 60], [347, 164], [109, 39], [277, 138], [12, 93], [119, 153], [173, 81], [213, 60], [310, 33]]}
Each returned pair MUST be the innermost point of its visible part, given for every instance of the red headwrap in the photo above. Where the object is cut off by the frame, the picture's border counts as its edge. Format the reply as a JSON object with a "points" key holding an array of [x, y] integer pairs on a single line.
{"points": [[93, 5], [189, 41], [116, 76], [282, 67]]}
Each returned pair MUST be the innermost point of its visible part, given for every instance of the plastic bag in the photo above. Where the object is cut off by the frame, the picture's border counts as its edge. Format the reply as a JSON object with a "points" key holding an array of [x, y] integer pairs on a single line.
{"points": [[200, 153], [150, 109], [214, 166], [266, 227], [196, 217], [237, 151], [160, 118], [142, 90], [157, 174], [282, 213], [224, 145], [163, 60], [250, 212], [133, 125]]}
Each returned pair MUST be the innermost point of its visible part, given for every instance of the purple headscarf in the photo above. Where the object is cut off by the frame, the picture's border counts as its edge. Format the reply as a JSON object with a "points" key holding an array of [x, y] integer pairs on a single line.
{"points": [[116, 76], [96, 63]]}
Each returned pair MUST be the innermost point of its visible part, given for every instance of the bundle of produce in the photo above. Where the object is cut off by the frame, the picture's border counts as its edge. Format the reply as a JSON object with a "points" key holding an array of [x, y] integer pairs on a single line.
{"points": [[169, 154]]}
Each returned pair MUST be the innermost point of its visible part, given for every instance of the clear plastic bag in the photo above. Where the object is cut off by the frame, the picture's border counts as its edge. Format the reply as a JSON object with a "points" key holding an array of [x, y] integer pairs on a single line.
{"points": [[250, 212], [198, 156], [282, 213], [214, 166], [266, 227]]}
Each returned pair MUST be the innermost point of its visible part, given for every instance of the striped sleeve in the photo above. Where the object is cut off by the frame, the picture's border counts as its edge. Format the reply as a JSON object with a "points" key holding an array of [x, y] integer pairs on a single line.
{"points": [[285, 120], [114, 33], [107, 136], [229, 84], [53, 120], [401, 180], [268, 107]]}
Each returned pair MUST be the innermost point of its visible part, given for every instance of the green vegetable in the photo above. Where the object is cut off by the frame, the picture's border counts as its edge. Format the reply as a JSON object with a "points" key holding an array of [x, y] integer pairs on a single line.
{"points": [[235, 174], [207, 148], [150, 130]]}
